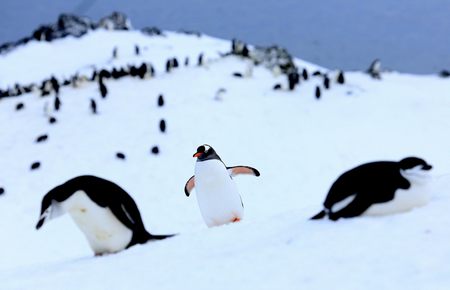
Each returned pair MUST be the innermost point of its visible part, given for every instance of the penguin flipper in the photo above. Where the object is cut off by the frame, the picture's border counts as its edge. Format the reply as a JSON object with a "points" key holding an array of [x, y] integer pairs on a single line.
{"points": [[236, 170], [190, 184], [355, 208]]}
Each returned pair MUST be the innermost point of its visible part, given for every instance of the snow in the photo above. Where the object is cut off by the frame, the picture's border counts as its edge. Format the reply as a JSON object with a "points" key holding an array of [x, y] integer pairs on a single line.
{"points": [[299, 144]]}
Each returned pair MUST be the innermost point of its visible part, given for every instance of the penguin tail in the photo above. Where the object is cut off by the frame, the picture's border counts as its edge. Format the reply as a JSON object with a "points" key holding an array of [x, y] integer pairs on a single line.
{"points": [[160, 237], [319, 216]]}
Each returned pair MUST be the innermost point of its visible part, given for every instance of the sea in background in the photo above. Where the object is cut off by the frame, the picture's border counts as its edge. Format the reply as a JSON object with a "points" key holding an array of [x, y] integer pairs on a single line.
{"points": [[407, 35]]}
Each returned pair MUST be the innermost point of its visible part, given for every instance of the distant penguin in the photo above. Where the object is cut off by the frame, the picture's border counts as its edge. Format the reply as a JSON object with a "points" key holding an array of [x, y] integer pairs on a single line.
{"points": [[155, 150], [238, 75], [186, 61], [245, 51], [174, 62], [162, 125], [217, 194], [444, 73], [2, 190], [55, 85], [168, 65], [20, 106], [375, 69], [35, 165], [52, 120], [103, 89], [120, 155], [152, 71], [137, 50], [219, 94], [41, 138], [105, 213], [57, 104], [103, 74], [93, 107], [340, 78], [305, 75], [317, 73], [142, 71], [326, 82], [378, 188], [277, 87], [200, 60], [115, 52], [317, 93], [160, 100], [293, 79]]}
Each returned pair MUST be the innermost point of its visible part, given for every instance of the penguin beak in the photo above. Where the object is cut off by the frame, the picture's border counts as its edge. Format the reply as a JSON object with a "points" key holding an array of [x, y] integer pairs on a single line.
{"points": [[427, 167], [198, 154]]}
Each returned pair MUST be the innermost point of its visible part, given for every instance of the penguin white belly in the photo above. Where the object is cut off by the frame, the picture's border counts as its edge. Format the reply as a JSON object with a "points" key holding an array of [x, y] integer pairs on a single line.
{"points": [[104, 232], [217, 194], [404, 200]]}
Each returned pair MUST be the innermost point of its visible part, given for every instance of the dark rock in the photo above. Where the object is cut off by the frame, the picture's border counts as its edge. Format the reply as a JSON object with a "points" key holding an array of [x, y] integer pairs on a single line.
{"points": [[151, 31], [52, 120], [115, 21], [120, 155]]}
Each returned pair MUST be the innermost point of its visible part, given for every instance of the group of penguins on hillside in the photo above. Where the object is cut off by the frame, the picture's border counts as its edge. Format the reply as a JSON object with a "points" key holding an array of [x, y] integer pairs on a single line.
{"points": [[111, 221]]}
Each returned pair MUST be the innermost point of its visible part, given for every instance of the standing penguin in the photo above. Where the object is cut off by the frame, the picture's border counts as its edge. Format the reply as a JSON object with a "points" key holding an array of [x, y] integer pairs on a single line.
{"points": [[340, 78], [103, 211], [375, 69], [217, 195], [57, 103], [378, 188], [93, 107]]}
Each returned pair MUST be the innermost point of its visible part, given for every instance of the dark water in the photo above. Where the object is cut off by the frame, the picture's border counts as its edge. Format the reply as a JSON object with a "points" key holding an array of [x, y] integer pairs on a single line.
{"points": [[407, 35]]}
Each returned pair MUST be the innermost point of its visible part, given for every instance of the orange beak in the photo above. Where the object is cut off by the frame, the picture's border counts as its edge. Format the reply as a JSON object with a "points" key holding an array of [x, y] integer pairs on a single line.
{"points": [[198, 154]]}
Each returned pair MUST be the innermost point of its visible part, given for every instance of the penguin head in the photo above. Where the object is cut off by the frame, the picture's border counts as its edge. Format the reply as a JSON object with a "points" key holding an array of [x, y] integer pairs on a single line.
{"points": [[205, 152], [415, 170], [414, 163]]}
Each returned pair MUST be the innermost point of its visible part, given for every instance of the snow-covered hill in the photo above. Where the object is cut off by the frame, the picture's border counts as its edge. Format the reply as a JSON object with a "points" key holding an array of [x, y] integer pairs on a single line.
{"points": [[299, 144]]}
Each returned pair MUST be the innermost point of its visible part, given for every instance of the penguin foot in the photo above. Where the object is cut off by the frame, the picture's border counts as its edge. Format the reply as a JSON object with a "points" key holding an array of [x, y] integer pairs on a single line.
{"points": [[235, 220]]}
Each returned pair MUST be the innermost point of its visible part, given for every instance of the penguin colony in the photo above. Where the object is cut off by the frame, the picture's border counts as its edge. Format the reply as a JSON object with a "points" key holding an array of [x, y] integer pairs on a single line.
{"points": [[112, 222]]}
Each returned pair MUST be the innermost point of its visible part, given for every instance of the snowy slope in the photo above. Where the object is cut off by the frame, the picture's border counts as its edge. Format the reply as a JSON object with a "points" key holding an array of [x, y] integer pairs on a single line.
{"points": [[299, 144]]}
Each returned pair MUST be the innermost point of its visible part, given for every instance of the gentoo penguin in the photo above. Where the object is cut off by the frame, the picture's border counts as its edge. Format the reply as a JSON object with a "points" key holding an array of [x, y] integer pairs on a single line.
{"points": [[217, 194], [162, 125], [57, 103], [160, 100], [155, 150], [35, 165], [375, 69], [378, 188], [317, 93], [103, 211], [42, 138], [93, 107], [340, 78]]}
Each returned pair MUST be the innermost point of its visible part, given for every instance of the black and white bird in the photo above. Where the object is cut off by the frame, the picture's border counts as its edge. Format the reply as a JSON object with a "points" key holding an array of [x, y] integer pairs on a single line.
{"points": [[217, 194], [378, 188], [105, 213], [375, 69]]}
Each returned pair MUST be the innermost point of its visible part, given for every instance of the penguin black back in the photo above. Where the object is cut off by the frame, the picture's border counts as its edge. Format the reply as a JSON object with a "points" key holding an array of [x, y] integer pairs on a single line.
{"points": [[370, 183], [103, 193]]}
